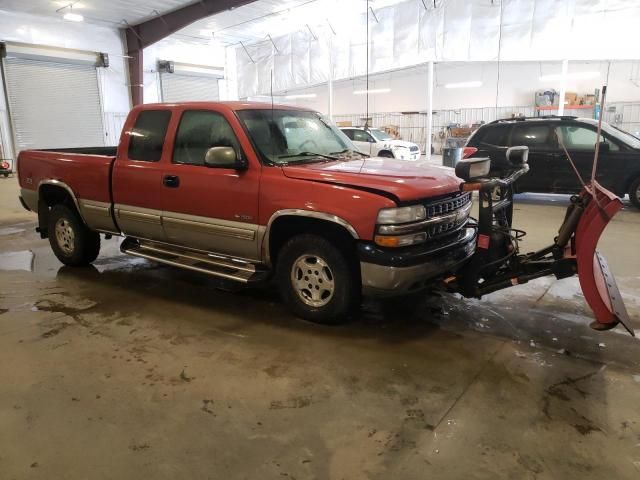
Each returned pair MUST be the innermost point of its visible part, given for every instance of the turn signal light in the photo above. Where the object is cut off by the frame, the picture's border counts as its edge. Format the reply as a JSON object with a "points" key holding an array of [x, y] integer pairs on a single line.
{"points": [[400, 240]]}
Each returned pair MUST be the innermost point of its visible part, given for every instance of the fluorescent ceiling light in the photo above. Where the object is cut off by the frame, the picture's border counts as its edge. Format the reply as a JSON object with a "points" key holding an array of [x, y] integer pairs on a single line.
{"points": [[573, 75], [300, 95], [371, 90], [73, 17], [474, 83]]}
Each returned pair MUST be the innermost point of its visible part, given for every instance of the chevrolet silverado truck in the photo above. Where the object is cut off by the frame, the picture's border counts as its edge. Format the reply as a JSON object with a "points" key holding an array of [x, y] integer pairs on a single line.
{"points": [[250, 192]]}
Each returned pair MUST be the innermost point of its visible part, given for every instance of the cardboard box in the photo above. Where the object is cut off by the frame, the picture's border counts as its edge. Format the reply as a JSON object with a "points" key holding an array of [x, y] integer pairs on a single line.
{"points": [[571, 98], [346, 123], [461, 132], [589, 99]]}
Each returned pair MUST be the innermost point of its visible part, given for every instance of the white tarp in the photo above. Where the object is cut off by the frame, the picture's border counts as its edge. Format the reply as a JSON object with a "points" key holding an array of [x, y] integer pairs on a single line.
{"points": [[407, 34]]}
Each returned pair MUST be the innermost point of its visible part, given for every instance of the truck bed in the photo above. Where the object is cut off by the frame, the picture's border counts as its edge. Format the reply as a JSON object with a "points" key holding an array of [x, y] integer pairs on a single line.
{"points": [[86, 171]]}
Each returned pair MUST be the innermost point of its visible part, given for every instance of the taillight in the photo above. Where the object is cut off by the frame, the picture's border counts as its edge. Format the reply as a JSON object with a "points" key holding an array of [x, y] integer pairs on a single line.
{"points": [[468, 151], [5, 165]]}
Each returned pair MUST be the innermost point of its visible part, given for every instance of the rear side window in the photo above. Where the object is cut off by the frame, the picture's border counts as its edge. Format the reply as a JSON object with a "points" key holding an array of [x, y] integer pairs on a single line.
{"points": [[147, 136], [537, 136], [492, 135]]}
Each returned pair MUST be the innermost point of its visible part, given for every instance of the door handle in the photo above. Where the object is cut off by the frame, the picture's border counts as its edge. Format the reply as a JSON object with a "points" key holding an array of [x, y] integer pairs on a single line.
{"points": [[171, 181]]}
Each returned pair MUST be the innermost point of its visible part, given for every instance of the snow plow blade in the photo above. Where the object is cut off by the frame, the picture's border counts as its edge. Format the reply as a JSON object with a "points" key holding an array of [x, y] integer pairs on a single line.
{"points": [[596, 280]]}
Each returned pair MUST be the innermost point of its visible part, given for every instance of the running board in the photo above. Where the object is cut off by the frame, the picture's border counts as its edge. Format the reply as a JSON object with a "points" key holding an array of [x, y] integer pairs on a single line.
{"points": [[218, 266]]}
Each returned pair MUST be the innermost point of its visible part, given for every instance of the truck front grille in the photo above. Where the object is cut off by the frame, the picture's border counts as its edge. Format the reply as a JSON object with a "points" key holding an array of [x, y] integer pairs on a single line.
{"points": [[447, 205], [444, 208]]}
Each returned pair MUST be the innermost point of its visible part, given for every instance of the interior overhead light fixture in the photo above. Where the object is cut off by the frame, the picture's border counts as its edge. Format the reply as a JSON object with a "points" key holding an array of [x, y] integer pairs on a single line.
{"points": [[300, 95], [572, 76], [73, 17], [70, 16], [371, 90], [472, 84]]}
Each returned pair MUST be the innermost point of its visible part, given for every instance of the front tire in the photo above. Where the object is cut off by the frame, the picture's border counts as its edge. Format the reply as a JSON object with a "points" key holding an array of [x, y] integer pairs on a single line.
{"points": [[634, 192], [317, 280], [386, 154], [71, 241]]}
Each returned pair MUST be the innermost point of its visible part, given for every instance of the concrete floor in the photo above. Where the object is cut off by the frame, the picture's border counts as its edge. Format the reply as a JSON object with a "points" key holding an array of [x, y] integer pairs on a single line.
{"points": [[133, 370]]}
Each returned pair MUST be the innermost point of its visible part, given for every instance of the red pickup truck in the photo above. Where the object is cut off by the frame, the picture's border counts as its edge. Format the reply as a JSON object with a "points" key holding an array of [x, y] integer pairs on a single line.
{"points": [[247, 191]]}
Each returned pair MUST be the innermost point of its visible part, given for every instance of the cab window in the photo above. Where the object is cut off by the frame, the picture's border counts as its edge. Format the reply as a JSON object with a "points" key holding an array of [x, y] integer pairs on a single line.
{"points": [[348, 133], [580, 138], [146, 138], [200, 130]]}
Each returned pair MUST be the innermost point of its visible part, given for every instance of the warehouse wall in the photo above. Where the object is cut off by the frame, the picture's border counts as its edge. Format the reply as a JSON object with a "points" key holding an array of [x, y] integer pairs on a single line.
{"points": [[30, 29], [518, 82], [62, 34], [183, 51]]}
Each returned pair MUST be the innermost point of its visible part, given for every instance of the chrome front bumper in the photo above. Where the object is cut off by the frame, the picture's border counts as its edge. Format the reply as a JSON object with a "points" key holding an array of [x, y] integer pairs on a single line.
{"points": [[388, 280]]}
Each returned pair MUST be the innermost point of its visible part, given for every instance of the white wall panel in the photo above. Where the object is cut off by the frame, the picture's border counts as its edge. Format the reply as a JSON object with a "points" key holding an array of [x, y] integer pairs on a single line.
{"points": [[407, 34]]}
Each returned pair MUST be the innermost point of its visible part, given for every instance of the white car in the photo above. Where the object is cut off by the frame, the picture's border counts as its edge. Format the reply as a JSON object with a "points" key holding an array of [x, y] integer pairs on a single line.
{"points": [[378, 143]]}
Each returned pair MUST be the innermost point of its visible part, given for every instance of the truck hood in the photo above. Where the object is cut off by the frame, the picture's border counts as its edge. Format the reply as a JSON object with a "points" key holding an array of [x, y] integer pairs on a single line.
{"points": [[405, 181]]}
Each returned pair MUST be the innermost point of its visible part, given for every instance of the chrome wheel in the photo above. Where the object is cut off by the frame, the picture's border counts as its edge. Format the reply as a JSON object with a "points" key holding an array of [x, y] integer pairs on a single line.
{"points": [[65, 236], [312, 280]]}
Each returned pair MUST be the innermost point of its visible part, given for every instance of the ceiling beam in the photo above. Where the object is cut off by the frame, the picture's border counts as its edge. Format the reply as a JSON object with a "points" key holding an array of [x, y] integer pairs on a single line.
{"points": [[147, 33]]}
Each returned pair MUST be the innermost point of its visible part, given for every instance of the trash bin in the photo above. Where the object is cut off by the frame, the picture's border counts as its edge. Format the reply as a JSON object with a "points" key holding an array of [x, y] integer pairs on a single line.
{"points": [[451, 156]]}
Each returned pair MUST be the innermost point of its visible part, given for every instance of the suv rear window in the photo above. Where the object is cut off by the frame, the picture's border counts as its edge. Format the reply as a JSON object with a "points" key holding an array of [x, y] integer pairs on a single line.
{"points": [[532, 136], [492, 135], [147, 135]]}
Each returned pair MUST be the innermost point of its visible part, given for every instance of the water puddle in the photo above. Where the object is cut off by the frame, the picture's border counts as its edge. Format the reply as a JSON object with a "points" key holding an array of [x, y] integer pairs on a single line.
{"points": [[10, 231], [22, 260]]}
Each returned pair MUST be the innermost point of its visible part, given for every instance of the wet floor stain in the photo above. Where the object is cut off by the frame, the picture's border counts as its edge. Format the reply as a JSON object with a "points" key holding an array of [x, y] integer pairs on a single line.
{"points": [[22, 260]]}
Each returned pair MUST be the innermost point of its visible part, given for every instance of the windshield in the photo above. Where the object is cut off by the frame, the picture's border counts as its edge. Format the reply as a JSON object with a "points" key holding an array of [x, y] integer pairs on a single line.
{"points": [[626, 137], [288, 136], [380, 135]]}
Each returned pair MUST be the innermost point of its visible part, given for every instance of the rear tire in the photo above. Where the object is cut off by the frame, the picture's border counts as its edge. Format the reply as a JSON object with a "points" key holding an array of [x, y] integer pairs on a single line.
{"points": [[71, 241], [634, 192], [317, 280]]}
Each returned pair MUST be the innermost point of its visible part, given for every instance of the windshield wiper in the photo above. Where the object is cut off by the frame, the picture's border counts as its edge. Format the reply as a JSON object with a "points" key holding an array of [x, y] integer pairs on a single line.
{"points": [[348, 150], [308, 154]]}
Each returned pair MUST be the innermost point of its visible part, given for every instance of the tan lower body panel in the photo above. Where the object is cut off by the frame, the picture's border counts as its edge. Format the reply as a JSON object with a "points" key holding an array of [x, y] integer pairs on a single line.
{"points": [[30, 198], [97, 215], [140, 222], [215, 235]]}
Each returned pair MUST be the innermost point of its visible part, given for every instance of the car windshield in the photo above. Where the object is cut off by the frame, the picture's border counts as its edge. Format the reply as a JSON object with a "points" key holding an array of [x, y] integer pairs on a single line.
{"points": [[292, 136], [626, 137], [380, 135]]}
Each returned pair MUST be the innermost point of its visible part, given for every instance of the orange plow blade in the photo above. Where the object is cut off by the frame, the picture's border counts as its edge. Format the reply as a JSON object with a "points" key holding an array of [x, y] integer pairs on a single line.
{"points": [[596, 280]]}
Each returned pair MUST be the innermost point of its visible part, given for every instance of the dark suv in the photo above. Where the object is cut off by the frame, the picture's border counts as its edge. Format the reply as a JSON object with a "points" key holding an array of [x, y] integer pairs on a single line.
{"points": [[550, 171]]}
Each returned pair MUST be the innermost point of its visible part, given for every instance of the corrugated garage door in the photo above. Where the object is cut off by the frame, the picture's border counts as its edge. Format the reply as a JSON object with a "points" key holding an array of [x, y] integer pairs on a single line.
{"points": [[53, 105], [189, 88]]}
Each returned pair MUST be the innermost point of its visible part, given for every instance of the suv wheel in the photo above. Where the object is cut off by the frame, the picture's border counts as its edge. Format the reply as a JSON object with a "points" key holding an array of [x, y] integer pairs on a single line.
{"points": [[386, 154], [317, 280], [71, 241], [634, 193]]}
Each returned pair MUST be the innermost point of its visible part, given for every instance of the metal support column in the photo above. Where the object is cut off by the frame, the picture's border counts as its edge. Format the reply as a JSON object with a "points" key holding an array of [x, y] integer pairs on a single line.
{"points": [[429, 109], [563, 87]]}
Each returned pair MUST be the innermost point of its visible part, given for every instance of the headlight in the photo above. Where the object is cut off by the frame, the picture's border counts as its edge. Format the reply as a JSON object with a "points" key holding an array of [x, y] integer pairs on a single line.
{"points": [[414, 213]]}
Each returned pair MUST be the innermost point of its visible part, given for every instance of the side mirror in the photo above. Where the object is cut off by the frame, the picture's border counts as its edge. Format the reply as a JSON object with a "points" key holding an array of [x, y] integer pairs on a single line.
{"points": [[473, 168], [517, 155], [604, 147], [223, 157]]}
